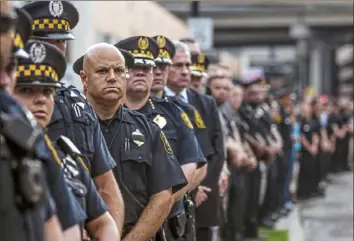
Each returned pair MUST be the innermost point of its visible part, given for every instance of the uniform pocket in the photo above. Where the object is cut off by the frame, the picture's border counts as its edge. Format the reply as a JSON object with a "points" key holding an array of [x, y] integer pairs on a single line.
{"points": [[135, 164]]}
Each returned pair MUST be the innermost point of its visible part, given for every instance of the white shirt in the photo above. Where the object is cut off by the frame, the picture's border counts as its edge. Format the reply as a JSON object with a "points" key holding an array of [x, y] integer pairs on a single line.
{"points": [[182, 94]]}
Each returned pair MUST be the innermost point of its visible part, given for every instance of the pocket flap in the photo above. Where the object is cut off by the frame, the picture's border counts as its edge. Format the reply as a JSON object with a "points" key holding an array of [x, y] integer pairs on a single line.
{"points": [[138, 155]]}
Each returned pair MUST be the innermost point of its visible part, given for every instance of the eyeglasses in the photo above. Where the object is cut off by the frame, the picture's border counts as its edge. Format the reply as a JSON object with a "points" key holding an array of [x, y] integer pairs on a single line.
{"points": [[7, 22]]}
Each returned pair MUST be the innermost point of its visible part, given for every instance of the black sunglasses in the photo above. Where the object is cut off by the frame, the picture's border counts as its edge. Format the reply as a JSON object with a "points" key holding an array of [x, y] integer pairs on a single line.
{"points": [[7, 22]]}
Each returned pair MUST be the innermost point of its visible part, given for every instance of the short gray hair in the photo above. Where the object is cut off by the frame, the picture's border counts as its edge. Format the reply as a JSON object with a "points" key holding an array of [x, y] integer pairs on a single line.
{"points": [[182, 47]]}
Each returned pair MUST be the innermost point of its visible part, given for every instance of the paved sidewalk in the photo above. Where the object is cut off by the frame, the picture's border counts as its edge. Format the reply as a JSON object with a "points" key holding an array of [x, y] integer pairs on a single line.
{"points": [[293, 225], [330, 218]]}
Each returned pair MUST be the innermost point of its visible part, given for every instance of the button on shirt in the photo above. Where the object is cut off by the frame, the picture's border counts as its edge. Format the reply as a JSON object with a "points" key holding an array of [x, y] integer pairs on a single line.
{"points": [[145, 161]]}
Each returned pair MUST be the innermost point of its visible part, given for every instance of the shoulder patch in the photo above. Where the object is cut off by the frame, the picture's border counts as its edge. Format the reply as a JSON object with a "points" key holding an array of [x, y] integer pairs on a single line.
{"points": [[277, 118], [198, 120], [186, 120], [166, 144]]}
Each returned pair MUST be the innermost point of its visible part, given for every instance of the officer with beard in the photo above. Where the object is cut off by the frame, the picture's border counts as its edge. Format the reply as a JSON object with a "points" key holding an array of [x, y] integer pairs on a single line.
{"points": [[258, 135]]}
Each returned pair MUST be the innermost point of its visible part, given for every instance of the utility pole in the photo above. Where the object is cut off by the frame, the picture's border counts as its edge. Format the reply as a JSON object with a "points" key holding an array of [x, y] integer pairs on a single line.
{"points": [[194, 9]]}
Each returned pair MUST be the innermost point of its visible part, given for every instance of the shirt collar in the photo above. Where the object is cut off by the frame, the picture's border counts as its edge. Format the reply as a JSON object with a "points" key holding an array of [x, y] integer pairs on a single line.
{"points": [[182, 94], [122, 115]]}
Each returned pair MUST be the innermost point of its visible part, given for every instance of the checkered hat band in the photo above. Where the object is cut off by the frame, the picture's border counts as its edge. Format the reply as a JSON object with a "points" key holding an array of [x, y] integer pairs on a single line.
{"points": [[141, 53], [17, 41], [37, 70], [55, 24]]}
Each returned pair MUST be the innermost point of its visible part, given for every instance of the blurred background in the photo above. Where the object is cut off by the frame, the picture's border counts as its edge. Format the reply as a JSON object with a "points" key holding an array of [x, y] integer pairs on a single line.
{"points": [[298, 42]]}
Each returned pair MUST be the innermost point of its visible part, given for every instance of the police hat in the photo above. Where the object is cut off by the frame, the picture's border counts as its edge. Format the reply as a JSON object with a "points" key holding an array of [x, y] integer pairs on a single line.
{"points": [[129, 61], [166, 50], [144, 49], [45, 66], [200, 64], [23, 33], [52, 19], [253, 77], [283, 93]]}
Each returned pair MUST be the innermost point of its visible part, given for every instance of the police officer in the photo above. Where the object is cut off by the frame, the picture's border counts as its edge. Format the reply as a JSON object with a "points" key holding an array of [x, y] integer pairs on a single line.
{"points": [[307, 183], [147, 170], [171, 119], [274, 163], [256, 135], [285, 124], [69, 212], [207, 214], [26, 213], [38, 95], [73, 116], [239, 175]]}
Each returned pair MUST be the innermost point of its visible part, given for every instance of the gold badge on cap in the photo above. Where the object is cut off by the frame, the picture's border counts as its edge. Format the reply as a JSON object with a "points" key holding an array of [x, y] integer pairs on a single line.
{"points": [[161, 41], [37, 53], [143, 43], [56, 8], [160, 121], [138, 138], [201, 58], [186, 120], [198, 120], [166, 144]]}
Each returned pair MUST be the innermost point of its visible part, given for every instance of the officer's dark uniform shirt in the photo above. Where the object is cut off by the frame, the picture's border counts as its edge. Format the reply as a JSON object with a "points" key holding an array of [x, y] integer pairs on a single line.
{"points": [[179, 132], [70, 212], [200, 130], [330, 123], [209, 119], [91, 203], [145, 161], [263, 112], [14, 224], [248, 115], [178, 129], [74, 117], [308, 128], [316, 125], [45, 214], [285, 129]]}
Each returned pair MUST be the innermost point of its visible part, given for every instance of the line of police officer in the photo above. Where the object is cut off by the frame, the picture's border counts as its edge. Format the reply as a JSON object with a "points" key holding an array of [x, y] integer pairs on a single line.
{"points": [[142, 154]]}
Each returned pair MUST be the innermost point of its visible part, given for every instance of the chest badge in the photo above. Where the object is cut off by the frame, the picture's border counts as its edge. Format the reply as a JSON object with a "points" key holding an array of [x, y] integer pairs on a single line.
{"points": [[306, 128], [138, 138], [160, 121], [287, 121]]}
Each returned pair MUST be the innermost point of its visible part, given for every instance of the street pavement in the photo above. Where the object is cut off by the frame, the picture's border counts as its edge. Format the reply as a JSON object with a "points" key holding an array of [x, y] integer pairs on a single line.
{"points": [[330, 218]]}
